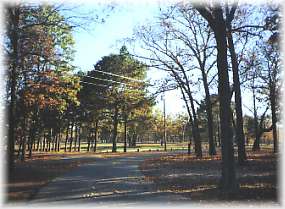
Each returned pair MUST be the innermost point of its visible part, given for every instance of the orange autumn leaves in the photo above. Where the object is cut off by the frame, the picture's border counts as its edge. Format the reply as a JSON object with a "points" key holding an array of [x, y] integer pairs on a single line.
{"points": [[52, 90]]}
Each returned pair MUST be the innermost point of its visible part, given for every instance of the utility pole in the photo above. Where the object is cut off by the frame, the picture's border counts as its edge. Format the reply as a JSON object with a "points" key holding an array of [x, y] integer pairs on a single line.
{"points": [[125, 132], [164, 122], [183, 132]]}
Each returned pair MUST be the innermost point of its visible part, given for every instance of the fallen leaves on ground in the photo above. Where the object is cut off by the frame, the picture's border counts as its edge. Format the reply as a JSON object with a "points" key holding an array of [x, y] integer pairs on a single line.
{"points": [[198, 179]]}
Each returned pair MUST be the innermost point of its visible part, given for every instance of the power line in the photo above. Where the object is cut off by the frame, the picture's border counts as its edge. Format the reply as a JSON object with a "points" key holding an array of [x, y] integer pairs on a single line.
{"points": [[112, 74], [120, 76], [94, 84], [102, 79], [107, 80]]}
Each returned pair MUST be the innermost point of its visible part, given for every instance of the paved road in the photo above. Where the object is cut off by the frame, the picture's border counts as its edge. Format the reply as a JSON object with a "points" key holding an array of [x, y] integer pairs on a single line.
{"points": [[109, 180]]}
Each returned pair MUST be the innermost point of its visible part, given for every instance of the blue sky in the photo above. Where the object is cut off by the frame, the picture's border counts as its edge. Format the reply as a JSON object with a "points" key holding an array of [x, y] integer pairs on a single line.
{"points": [[102, 39]]}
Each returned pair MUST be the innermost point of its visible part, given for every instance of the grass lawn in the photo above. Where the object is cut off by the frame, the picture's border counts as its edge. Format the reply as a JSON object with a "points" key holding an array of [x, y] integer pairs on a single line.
{"points": [[197, 179], [107, 147]]}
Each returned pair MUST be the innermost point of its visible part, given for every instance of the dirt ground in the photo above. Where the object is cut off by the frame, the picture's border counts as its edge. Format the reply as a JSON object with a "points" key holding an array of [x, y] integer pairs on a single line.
{"points": [[198, 179]]}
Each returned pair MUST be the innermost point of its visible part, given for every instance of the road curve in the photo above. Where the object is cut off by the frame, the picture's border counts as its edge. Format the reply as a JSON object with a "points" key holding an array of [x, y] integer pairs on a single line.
{"points": [[106, 180]]}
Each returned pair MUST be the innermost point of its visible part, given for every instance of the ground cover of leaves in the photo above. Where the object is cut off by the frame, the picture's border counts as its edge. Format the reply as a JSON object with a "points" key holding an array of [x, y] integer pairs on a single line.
{"points": [[198, 179]]}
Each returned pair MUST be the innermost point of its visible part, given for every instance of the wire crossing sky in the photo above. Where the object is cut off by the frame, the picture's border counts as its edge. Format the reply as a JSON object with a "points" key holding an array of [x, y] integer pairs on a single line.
{"points": [[107, 37]]}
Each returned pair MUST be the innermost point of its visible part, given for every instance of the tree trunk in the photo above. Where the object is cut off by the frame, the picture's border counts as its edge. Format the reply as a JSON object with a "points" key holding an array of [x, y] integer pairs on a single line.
{"points": [[233, 126], [115, 130], [20, 147], [274, 118], [96, 136], [195, 128], [66, 137], [79, 138], [38, 143], [34, 145], [189, 145], [217, 23], [53, 139], [238, 102], [89, 139], [75, 137], [256, 144], [49, 141], [164, 125], [14, 16], [33, 130], [31, 139], [30, 146], [134, 140], [219, 130], [44, 142], [212, 148], [125, 134], [196, 134], [71, 136], [130, 141], [191, 122], [59, 140], [56, 142], [228, 180], [24, 141]]}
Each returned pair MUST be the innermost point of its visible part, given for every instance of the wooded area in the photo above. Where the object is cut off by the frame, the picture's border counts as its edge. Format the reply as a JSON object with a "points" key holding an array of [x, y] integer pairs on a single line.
{"points": [[211, 54]]}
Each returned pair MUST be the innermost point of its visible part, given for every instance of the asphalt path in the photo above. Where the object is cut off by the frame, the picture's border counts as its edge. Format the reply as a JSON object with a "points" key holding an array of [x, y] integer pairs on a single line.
{"points": [[106, 180]]}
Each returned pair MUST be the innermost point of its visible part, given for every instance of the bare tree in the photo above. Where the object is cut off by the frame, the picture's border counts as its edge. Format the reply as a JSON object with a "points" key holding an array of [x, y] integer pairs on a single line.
{"points": [[157, 41], [272, 82], [236, 85], [255, 74], [186, 26], [214, 16]]}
